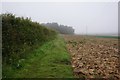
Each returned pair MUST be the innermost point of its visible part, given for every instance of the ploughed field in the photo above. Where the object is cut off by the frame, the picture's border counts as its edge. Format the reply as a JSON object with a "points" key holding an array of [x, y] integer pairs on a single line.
{"points": [[93, 57]]}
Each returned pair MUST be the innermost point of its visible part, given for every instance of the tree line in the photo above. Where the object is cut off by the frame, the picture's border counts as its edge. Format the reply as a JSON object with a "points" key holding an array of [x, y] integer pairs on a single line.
{"points": [[60, 28]]}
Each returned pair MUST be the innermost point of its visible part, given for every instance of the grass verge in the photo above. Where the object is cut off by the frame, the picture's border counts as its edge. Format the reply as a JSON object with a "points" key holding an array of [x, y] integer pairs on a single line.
{"points": [[51, 60]]}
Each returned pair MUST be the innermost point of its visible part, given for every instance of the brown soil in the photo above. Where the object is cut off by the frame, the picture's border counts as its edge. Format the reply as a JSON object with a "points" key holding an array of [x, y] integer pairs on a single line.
{"points": [[94, 57]]}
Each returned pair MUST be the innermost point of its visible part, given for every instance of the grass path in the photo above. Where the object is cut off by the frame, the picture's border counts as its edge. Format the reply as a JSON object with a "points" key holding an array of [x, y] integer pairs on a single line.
{"points": [[48, 61]]}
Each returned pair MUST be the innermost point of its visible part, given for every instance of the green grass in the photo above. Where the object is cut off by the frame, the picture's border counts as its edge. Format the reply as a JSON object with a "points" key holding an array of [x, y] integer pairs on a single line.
{"points": [[116, 37], [51, 60]]}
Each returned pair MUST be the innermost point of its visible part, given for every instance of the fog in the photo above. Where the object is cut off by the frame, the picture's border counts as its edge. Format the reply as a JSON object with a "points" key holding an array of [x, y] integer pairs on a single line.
{"points": [[84, 17]]}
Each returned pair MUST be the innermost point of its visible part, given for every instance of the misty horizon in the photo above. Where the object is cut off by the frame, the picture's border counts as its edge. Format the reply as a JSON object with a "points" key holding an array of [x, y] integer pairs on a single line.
{"points": [[91, 18]]}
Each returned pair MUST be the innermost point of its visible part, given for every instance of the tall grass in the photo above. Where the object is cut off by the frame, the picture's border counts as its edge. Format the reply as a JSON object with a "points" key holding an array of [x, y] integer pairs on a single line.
{"points": [[51, 60]]}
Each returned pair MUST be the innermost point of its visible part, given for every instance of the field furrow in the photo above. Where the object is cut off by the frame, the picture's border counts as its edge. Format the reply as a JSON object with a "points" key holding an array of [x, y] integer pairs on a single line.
{"points": [[94, 57]]}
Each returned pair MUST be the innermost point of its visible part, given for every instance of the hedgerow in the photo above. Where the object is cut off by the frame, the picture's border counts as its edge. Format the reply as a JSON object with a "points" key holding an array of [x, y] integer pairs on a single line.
{"points": [[20, 35]]}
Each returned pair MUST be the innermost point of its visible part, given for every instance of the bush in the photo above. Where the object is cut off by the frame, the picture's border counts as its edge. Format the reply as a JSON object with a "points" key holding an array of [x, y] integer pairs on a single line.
{"points": [[20, 35]]}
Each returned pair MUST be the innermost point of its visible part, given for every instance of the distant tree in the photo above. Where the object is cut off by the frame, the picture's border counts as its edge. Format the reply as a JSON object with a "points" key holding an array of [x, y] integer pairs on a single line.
{"points": [[60, 28]]}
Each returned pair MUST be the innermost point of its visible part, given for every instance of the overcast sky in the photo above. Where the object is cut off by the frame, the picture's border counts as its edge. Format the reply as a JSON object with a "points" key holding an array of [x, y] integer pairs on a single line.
{"points": [[90, 17]]}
